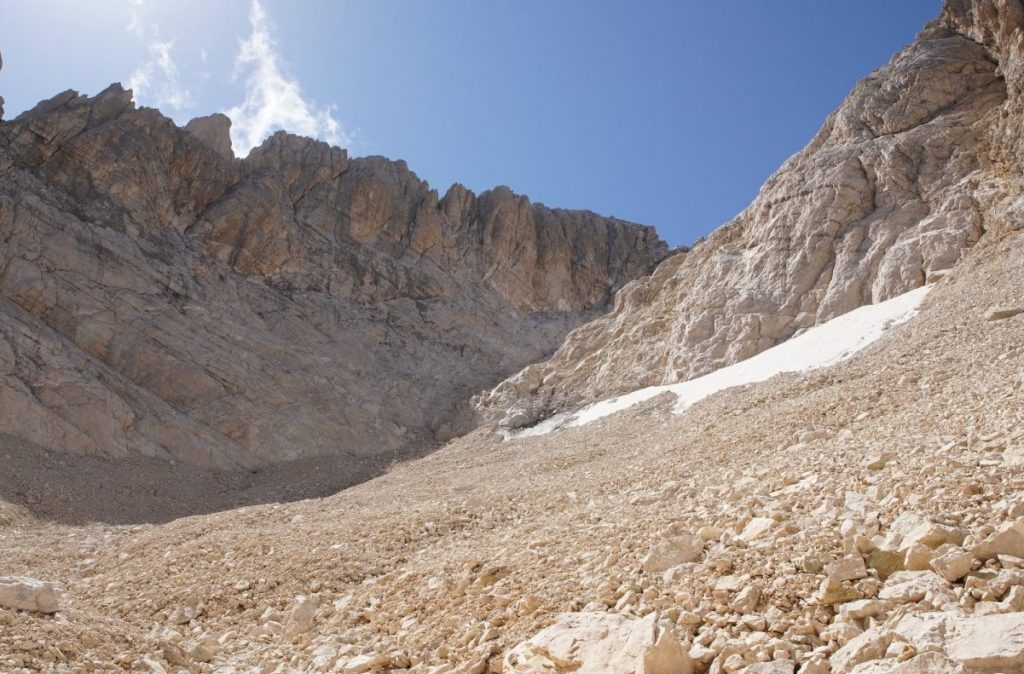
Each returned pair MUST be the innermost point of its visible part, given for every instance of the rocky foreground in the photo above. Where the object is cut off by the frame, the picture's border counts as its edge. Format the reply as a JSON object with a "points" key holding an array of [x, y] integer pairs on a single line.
{"points": [[862, 519], [867, 518]]}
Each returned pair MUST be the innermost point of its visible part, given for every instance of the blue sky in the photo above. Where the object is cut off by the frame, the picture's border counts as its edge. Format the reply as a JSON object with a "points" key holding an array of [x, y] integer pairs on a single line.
{"points": [[667, 113]]}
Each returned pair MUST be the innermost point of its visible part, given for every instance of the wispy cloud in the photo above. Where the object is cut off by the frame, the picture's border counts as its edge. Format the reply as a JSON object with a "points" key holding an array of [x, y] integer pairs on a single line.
{"points": [[156, 81], [273, 100]]}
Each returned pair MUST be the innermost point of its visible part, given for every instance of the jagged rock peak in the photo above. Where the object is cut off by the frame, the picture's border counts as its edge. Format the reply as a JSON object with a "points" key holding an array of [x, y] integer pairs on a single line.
{"points": [[294, 303], [215, 131], [922, 159]]}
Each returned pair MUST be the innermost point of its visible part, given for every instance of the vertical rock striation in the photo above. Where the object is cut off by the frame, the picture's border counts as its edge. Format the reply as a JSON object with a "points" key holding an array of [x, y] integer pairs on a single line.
{"points": [[160, 297]]}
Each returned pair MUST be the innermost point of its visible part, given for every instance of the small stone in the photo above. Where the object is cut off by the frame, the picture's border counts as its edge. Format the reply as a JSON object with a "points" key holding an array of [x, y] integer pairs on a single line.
{"points": [[918, 557], [953, 565], [301, 616], [599, 643], [864, 608], [672, 552], [1007, 540], [847, 568], [1002, 313], [886, 563], [879, 461], [757, 528], [905, 587], [836, 592], [746, 600]]}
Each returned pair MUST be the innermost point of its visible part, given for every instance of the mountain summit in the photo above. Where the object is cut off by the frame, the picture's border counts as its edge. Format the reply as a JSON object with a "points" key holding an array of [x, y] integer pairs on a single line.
{"points": [[160, 298]]}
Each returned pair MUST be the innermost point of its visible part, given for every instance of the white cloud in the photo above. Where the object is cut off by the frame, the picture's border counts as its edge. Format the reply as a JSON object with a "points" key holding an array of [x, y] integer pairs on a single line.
{"points": [[273, 100], [157, 81], [135, 19]]}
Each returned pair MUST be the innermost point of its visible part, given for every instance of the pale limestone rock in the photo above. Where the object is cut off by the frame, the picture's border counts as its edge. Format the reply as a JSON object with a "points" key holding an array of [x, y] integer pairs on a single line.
{"points": [[601, 643], [953, 565], [912, 529], [302, 616], [747, 599], [832, 591], [926, 632], [1002, 313], [926, 663], [886, 562], [1007, 540], [872, 207], [816, 664], [847, 568], [757, 528], [28, 594], [912, 586], [988, 642], [918, 557], [863, 608], [672, 552], [774, 667], [871, 645]]}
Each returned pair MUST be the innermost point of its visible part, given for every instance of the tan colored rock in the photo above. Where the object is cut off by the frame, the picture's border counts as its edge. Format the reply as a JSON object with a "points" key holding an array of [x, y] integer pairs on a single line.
{"points": [[988, 642], [774, 667], [912, 586], [301, 617], [672, 552], [1007, 540], [926, 632], [926, 663], [1002, 313], [602, 643], [886, 562], [832, 591], [756, 528], [871, 645], [863, 608], [215, 131], [953, 565], [847, 568], [28, 594]]}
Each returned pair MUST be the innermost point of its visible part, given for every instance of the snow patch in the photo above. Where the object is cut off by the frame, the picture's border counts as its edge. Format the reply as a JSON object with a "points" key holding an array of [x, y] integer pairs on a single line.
{"points": [[821, 346]]}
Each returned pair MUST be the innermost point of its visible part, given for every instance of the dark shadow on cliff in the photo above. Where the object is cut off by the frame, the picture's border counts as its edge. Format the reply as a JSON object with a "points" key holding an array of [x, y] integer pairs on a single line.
{"points": [[61, 488]]}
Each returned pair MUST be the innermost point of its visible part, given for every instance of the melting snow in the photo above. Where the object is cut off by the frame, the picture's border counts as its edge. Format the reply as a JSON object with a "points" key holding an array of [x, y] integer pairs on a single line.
{"points": [[821, 346]]}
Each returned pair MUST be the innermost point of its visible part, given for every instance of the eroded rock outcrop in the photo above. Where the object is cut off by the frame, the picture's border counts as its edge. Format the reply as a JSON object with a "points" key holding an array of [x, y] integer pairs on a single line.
{"points": [[160, 297], [922, 159]]}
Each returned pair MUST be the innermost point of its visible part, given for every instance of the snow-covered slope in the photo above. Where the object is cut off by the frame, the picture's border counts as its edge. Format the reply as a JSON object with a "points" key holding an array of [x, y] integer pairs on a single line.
{"points": [[821, 346]]}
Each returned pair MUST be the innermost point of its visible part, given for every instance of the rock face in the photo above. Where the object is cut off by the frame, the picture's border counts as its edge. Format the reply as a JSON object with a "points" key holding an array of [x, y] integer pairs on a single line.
{"points": [[160, 297], [921, 160]]}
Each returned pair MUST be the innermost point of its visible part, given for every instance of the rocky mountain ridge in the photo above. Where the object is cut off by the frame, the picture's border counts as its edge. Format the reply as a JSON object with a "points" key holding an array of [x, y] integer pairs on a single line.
{"points": [[923, 158], [159, 297]]}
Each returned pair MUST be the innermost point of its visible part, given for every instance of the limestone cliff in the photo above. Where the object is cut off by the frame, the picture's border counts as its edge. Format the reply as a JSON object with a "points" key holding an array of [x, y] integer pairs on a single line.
{"points": [[922, 159], [160, 297]]}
